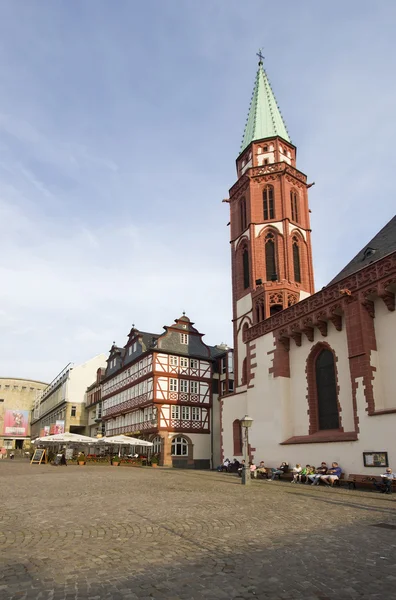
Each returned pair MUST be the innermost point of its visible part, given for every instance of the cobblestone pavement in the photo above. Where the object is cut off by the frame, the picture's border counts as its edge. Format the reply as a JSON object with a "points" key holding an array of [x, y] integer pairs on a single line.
{"points": [[124, 533]]}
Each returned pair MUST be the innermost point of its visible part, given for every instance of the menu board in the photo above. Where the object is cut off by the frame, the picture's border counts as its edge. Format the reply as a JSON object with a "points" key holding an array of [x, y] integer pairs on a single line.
{"points": [[38, 457]]}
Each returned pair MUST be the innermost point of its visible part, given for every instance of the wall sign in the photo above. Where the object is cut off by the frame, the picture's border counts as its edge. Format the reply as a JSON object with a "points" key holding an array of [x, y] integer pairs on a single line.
{"points": [[375, 459]]}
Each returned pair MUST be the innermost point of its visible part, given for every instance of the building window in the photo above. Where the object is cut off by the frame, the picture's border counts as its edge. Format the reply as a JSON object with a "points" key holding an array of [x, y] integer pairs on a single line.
{"points": [[242, 209], [179, 446], [173, 361], [245, 263], [268, 202], [296, 261], [195, 413], [294, 205], [326, 387], [244, 372], [231, 385], [184, 386], [193, 387], [157, 444], [193, 363], [175, 412], [223, 365], [73, 412], [130, 350], [173, 385], [183, 338], [270, 260], [223, 387], [183, 362], [185, 413], [237, 437]]}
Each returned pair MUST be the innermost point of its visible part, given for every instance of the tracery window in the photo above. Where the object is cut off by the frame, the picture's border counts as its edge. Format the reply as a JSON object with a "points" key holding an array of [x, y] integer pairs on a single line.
{"points": [[296, 260], [294, 205], [270, 257], [243, 219], [268, 202], [326, 387], [237, 437]]}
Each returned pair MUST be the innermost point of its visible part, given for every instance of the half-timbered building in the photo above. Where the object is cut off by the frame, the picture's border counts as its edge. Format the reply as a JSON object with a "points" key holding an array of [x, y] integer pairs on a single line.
{"points": [[161, 387]]}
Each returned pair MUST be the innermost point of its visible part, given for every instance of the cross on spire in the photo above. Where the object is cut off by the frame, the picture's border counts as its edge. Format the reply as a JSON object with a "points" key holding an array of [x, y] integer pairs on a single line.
{"points": [[260, 55]]}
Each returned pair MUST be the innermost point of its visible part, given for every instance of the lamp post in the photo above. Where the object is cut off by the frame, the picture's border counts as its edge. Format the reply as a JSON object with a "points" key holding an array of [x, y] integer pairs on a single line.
{"points": [[246, 423]]}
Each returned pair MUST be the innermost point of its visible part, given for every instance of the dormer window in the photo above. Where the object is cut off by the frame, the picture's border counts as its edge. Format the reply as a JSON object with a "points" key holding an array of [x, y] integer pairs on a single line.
{"points": [[183, 338], [368, 253]]}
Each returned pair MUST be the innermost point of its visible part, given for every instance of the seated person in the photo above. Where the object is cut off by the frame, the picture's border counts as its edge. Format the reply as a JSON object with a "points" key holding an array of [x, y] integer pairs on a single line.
{"points": [[333, 474], [240, 468], [234, 466], [315, 477], [224, 466], [284, 468], [261, 470], [253, 470], [385, 487], [296, 473], [304, 473]]}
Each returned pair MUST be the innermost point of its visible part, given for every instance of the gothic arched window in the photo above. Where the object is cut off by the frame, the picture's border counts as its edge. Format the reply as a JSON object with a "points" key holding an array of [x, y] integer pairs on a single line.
{"points": [[294, 205], [237, 437], [268, 202], [296, 261], [270, 257], [245, 265], [326, 387], [242, 209]]}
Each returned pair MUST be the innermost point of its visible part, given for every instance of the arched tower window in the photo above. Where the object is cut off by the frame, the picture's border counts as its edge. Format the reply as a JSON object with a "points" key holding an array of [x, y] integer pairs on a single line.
{"points": [[326, 387], [268, 202], [294, 205], [245, 265], [296, 260], [242, 209], [237, 437], [270, 257]]}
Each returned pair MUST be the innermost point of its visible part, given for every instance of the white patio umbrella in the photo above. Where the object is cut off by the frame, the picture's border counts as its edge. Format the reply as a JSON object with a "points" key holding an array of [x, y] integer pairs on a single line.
{"points": [[65, 438], [123, 440]]}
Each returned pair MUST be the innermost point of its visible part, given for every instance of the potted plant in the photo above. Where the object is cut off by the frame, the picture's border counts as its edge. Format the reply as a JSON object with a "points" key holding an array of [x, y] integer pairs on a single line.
{"points": [[115, 461], [81, 459], [154, 461]]}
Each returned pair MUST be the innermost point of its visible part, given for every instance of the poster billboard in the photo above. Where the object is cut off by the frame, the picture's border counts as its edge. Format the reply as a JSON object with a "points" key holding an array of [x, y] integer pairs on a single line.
{"points": [[59, 427], [46, 430], [16, 423]]}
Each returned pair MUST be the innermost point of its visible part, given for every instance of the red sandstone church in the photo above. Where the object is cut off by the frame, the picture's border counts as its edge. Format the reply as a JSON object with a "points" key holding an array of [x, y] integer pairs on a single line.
{"points": [[315, 372]]}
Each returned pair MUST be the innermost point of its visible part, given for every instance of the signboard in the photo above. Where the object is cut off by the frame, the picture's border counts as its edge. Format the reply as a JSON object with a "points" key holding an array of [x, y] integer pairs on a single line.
{"points": [[38, 457], [46, 430], [16, 423], [59, 427]]}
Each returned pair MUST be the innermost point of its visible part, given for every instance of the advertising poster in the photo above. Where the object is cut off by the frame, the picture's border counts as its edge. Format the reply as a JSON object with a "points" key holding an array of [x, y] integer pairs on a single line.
{"points": [[59, 427], [16, 423], [46, 430]]}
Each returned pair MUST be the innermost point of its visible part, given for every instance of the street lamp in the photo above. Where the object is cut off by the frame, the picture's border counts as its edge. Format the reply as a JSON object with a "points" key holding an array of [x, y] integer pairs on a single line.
{"points": [[246, 422]]}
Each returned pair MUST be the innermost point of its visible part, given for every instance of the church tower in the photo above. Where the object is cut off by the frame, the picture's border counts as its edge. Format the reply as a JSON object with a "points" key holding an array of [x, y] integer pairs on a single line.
{"points": [[269, 220]]}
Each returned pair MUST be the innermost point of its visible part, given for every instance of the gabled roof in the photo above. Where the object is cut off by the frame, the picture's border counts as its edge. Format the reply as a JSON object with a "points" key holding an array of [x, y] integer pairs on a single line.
{"points": [[382, 244], [264, 119]]}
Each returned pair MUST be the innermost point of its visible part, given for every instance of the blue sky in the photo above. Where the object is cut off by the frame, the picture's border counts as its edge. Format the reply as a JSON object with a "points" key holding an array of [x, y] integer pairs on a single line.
{"points": [[120, 123]]}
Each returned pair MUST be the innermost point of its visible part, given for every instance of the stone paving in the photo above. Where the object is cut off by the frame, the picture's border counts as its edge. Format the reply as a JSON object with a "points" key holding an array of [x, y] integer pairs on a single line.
{"points": [[124, 533]]}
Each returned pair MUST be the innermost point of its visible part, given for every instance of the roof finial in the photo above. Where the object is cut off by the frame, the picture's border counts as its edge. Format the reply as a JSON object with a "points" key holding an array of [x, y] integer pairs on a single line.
{"points": [[260, 55], [184, 313]]}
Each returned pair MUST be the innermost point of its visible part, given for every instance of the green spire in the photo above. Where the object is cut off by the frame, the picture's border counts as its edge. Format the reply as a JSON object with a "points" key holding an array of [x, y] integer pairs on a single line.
{"points": [[264, 119]]}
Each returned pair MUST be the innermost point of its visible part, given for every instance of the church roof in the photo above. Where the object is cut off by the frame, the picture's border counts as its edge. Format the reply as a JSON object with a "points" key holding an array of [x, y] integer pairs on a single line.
{"points": [[264, 119], [382, 244]]}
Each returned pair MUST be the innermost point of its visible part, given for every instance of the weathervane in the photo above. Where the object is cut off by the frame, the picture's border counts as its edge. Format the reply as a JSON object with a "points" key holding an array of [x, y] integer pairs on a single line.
{"points": [[260, 55]]}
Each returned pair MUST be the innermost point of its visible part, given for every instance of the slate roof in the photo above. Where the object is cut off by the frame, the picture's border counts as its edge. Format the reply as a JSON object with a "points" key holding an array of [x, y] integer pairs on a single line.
{"points": [[264, 119], [382, 244]]}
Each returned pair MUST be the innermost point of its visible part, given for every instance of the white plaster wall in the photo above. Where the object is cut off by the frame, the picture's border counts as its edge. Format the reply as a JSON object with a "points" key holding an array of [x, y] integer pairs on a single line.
{"points": [[276, 225], [245, 234], [384, 358], [244, 305], [201, 442], [304, 294], [294, 228], [81, 377]]}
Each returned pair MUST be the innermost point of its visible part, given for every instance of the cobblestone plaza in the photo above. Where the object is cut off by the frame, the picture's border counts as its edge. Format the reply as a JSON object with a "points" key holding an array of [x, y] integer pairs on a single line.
{"points": [[140, 533]]}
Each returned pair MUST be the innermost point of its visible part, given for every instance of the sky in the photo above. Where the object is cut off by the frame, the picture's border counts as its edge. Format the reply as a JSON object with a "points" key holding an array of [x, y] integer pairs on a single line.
{"points": [[120, 123]]}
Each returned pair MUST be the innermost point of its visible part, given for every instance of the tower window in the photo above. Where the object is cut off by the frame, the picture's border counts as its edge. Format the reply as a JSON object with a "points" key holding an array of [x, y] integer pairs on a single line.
{"points": [[294, 205], [184, 338], [245, 263], [270, 259], [242, 209], [268, 202], [296, 261]]}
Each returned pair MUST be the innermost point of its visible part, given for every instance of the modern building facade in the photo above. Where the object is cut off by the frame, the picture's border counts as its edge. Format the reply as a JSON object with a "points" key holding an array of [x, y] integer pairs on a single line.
{"points": [[17, 397], [61, 405], [162, 388], [313, 370]]}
